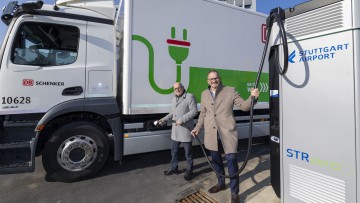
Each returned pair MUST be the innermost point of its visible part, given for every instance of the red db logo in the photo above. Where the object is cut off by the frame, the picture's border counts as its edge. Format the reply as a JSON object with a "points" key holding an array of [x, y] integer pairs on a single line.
{"points": [[28, 82], [263, 33]]}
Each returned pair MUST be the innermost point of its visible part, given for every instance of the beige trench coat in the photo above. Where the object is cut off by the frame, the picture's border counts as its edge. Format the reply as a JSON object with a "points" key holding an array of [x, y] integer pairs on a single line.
{"points": [[217, 115]]}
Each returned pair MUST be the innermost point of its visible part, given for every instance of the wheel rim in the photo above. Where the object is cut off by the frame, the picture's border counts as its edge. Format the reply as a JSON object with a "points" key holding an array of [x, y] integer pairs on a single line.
{"points": [[77, 153]]}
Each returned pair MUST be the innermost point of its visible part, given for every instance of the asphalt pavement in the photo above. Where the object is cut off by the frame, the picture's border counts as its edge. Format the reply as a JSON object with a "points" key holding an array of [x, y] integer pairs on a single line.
{"points": [[140, 179]]}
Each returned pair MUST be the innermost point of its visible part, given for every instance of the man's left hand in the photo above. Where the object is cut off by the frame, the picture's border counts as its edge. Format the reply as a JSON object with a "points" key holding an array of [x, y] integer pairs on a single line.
{"points": [[179, 122]]}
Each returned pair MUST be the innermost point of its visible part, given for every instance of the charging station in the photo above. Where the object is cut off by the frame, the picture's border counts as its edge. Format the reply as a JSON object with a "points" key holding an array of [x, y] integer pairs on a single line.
{"points": [[315, 106]]}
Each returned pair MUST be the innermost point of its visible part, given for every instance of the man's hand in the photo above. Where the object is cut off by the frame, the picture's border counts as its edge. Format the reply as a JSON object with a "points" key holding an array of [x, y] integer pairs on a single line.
{"points": [[255, 92], [194, 133], [179, 122], [161, 122]]}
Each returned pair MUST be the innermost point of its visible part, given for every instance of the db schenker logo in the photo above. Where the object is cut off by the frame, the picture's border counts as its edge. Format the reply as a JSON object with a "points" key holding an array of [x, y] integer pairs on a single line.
{"points": [[28, 82]]}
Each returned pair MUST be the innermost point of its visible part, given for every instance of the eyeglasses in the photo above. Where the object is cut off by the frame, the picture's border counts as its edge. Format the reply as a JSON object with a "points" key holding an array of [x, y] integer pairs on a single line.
{"points": [[177, 89], [211, 79]]}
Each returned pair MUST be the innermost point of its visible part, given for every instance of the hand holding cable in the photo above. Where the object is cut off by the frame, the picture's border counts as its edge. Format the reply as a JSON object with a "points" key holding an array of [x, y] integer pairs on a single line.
{"points": [[194, 133], [254, 92]]}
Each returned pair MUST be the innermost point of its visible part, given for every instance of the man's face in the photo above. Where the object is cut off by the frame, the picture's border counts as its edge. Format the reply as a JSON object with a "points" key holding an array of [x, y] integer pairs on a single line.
{"points": [[213, 80], [178, 89]]}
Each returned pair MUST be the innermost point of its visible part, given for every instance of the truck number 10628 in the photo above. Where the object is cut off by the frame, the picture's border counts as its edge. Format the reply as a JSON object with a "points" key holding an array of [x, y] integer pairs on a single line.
{"points": [[16, 100]]}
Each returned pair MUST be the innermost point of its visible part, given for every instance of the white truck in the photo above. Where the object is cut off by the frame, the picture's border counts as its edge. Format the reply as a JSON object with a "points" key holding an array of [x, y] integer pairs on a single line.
{"points": [[79, 80]]}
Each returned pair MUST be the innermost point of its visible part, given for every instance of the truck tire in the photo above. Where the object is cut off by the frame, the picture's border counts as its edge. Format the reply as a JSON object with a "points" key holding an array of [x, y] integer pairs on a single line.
{"points": [[75, 151]]}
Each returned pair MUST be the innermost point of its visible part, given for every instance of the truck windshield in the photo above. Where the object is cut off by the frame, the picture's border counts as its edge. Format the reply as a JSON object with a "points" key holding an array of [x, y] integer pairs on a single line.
{"points": [[42, 44]]}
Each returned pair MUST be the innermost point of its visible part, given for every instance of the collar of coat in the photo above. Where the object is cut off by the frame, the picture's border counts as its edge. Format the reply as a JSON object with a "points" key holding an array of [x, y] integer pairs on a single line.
{"points": [[218, 89], [181, 97]]}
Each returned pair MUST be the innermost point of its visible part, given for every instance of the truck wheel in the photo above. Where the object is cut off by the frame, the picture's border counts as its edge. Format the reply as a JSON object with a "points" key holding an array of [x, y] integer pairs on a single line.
{"points": [[75, 151]]}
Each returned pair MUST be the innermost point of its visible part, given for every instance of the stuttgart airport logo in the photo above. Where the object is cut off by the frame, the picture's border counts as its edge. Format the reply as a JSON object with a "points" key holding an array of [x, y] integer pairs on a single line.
{"points": [[291, 57], [321, 53]]}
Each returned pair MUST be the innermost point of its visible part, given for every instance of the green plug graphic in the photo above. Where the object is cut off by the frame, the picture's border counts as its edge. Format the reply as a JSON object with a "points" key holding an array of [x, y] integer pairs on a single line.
{"points": [[178, 50]]}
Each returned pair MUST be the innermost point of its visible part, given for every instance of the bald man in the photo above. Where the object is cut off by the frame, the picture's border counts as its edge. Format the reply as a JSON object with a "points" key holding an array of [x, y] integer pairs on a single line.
{"points": [[183, 111]]}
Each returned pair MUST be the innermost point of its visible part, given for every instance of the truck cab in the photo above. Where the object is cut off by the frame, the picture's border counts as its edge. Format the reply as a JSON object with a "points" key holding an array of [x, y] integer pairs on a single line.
{"points": [[53, 73]]}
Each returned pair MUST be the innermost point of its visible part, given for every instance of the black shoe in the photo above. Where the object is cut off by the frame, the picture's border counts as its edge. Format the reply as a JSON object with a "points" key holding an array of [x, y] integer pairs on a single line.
{"points": [[235, 198], [188, 175], [216, 188], [170, 172]]}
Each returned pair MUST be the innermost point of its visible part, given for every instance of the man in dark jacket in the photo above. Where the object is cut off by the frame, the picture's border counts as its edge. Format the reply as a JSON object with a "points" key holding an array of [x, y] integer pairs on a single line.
{"points": [[183, 111]]}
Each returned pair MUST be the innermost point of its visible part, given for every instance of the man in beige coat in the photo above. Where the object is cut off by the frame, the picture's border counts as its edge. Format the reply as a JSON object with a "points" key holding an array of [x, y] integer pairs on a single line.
{"points": [[217, 119]]}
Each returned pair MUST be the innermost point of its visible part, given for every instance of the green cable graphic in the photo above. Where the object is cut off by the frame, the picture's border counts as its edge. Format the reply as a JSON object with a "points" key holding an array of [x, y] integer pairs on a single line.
{"points": [[179, 53], [151, 66]]}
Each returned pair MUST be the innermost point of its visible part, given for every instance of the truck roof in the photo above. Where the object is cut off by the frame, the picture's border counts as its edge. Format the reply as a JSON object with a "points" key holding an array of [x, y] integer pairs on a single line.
{"points": [[76, 10], [103, 7], [79, 12]]}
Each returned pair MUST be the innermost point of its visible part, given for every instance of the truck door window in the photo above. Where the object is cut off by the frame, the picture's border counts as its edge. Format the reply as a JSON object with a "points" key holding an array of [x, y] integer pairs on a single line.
{"points": [[42, 44]]}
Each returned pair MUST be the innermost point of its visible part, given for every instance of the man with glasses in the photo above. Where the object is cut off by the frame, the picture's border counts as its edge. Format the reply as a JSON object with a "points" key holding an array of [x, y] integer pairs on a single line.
{"points": [[183, 111], [217, 118]]}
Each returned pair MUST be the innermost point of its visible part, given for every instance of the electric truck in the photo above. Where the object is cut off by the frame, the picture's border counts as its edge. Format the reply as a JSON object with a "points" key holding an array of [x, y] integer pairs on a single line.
{"points": [[80, 80]]}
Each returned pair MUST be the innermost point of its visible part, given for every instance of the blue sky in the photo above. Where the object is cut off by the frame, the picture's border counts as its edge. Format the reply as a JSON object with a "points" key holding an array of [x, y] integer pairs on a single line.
{"points": [[263, 6]]}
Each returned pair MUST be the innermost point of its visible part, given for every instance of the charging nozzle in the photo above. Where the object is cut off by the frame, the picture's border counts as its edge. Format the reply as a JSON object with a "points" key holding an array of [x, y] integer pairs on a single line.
{"points": [[270, 20], [278, 15], [279, 11]]}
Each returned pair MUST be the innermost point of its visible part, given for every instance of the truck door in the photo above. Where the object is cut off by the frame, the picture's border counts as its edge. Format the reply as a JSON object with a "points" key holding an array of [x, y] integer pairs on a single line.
{"points": [[43, 64]]}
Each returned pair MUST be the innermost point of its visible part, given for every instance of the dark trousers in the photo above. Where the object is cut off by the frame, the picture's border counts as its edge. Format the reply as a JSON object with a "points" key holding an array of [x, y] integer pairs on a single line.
{"points": [[175, 154], [232, 169]]}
